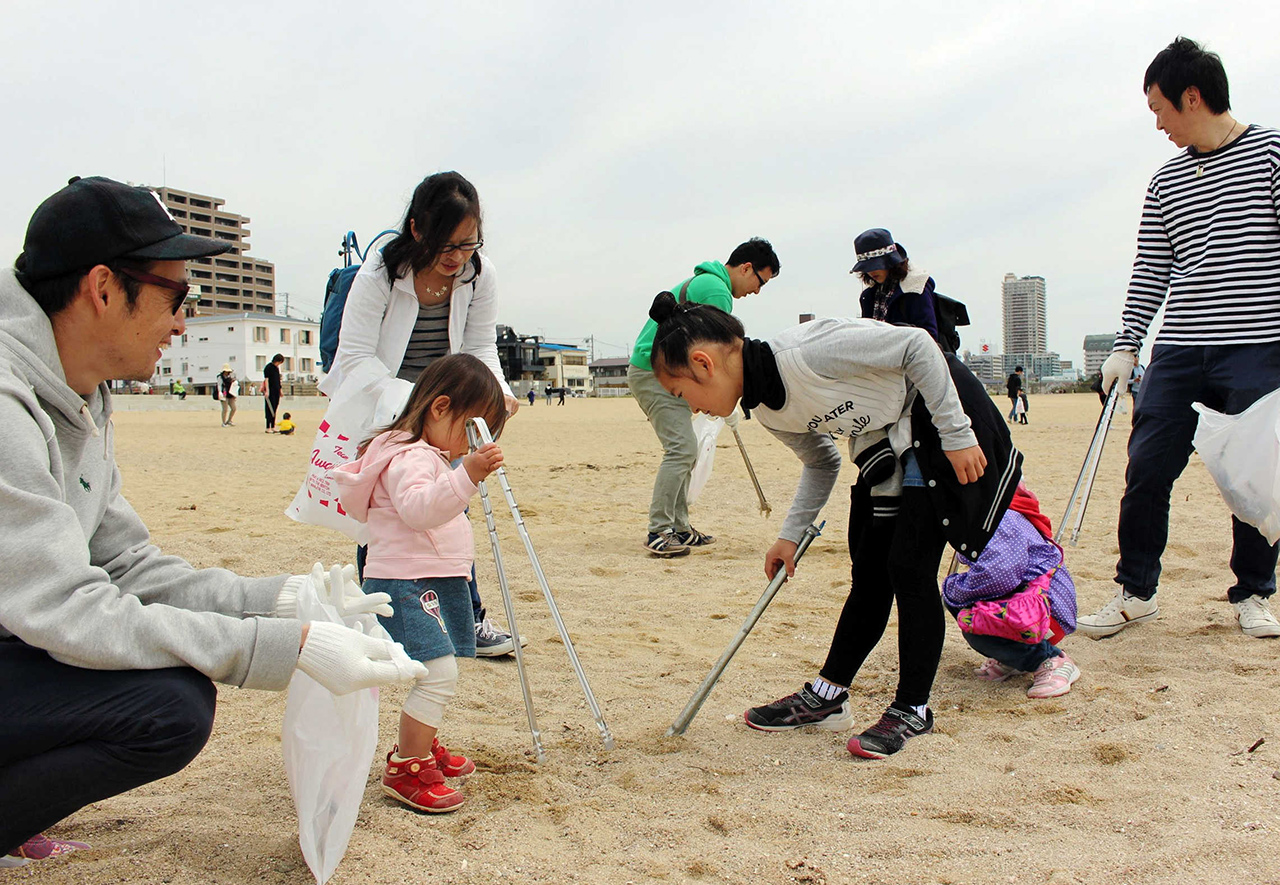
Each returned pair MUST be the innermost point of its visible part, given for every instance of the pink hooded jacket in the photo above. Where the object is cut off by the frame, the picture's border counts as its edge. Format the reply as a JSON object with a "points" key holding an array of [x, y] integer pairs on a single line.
{"points": [[413, 503]]}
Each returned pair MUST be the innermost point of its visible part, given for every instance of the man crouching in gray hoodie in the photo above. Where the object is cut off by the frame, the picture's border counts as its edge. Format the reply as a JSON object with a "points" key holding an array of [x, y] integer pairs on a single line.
{"points": [[109, 650]]}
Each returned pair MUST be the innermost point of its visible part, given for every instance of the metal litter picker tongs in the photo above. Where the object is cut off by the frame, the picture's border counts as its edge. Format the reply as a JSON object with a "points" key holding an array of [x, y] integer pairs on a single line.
{"points": [[765, 509], [477, 435], [695, 703], [1089, 470]]}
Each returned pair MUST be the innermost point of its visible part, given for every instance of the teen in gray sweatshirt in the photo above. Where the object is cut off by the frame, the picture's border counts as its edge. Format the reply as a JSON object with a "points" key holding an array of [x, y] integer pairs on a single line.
{"points": [[930, 471], [109, 649]]}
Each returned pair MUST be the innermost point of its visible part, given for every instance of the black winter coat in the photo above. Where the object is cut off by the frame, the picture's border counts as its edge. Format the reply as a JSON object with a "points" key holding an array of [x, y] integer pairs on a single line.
{"points": [[969, 513]]}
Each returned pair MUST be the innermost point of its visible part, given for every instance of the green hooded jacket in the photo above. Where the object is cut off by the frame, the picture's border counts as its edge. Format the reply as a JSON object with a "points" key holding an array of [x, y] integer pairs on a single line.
{"points": [[709, 285]]}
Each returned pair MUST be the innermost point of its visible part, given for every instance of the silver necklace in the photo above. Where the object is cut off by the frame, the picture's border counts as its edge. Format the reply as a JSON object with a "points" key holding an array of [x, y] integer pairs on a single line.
{"points": [[1200, 167]]}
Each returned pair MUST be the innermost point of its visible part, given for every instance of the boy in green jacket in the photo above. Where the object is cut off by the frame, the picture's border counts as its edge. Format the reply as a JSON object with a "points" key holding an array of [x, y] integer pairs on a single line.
{"points": [[749, 267]]}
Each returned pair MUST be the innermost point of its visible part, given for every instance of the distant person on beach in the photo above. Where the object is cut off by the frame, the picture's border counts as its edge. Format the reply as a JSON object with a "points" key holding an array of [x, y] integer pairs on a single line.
{"points": [[1014, 385], [749, 267], [179, 390], [427, 293], [936, 466], [1208, 250], [286, 427], [109, 649], [271, 390], [532, 396], [227, 389], [894, 291], [562, 392], [421, 554]]}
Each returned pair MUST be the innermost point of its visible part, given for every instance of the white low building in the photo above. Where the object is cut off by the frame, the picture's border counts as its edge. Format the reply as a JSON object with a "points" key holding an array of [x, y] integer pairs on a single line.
{"points": [[246, 341]]}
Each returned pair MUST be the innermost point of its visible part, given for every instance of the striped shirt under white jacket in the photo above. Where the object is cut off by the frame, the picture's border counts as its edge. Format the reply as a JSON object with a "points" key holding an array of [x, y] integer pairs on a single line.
{"points": [[1210, 241]]}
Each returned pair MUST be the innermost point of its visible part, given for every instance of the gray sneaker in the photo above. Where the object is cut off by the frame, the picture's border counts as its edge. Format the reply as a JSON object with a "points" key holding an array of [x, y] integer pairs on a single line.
{"points": [[492, 642]]}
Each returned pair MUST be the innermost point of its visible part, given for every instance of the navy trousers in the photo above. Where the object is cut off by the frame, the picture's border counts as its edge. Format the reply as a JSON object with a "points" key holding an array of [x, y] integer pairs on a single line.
{"points": [[1227, 379], [69, 736]]}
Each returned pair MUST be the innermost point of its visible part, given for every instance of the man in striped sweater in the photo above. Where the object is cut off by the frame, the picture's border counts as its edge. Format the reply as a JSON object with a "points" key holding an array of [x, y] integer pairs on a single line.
{"points": [[1209, 250]]}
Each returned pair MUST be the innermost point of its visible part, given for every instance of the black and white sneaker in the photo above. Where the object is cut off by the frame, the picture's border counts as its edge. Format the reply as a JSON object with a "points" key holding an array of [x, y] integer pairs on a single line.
{"points": [[694, 538], [804, 708], [665, 544], [492, 642], [886, 737]]}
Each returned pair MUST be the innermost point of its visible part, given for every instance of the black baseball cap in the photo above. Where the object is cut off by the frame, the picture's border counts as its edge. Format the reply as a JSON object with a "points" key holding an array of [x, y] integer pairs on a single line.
{"points": [[97, 220]]}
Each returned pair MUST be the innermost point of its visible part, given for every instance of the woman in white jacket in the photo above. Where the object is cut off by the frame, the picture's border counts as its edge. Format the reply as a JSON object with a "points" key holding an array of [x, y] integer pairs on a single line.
{"points": [[429, 292]]}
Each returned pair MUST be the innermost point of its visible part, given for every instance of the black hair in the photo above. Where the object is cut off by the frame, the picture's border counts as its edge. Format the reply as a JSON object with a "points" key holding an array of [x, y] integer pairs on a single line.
{"points": [[287, 416], [1185, 63], [759, 252], [1017, 368], [278, 358], [896, 274], [56, 293], [681, 326], [440, 203]]}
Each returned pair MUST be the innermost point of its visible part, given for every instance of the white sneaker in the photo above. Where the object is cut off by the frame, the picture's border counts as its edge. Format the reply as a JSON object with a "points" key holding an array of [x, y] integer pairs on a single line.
{"points": [[1117, 614], [1256, 619]]}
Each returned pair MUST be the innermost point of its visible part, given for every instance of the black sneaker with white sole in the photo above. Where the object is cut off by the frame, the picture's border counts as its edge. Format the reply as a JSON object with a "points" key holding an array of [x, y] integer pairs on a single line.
{"points": [[804, 708], [896, 726]]}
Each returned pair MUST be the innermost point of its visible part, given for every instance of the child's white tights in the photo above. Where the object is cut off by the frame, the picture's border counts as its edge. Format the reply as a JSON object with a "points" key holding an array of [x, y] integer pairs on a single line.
{"points": [[431, 694]]}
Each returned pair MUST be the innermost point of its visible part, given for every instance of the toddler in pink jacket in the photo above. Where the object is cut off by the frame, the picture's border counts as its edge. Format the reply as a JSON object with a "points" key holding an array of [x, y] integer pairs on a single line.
{"points": [[421, 552]]}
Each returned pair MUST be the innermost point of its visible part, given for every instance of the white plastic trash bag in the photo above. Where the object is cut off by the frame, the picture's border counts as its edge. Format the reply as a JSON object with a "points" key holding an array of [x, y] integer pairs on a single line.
{"points": [[328, 742], [1242, 453], [706, 430]]}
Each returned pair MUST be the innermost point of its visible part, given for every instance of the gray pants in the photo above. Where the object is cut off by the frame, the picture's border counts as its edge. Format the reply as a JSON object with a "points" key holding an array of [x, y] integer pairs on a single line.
{"points": [[672, 421]]}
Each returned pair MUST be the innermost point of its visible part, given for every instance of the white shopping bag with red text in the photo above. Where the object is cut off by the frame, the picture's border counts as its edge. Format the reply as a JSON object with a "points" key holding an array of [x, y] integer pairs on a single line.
{"points": [[364, 402]]}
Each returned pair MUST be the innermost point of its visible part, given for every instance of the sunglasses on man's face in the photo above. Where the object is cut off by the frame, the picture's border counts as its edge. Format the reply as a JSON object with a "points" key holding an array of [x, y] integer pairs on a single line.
{"points": [[180, 289]]}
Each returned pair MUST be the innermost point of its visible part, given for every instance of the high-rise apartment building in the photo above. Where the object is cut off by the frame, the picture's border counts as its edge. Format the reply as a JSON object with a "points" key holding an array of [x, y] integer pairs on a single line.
{"points": [[1026, 327], [233, 282], [1096, 350]]}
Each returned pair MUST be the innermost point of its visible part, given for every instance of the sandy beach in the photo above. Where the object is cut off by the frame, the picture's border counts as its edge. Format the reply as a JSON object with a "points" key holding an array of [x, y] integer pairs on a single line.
{"points": [[1162, 765]]}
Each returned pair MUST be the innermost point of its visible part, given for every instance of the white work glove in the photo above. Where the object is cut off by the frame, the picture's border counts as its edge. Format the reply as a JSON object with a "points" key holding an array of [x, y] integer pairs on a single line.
{"points": [[344, 660], [349, 599], [1118, 368]]}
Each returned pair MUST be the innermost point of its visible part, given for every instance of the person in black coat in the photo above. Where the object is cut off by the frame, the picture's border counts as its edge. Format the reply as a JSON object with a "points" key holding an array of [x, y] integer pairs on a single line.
{"points": [[894, 292], [271, 390]]}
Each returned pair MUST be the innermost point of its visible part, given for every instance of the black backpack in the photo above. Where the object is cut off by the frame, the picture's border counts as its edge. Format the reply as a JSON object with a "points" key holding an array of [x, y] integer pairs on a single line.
{"points": [[949, 313]]}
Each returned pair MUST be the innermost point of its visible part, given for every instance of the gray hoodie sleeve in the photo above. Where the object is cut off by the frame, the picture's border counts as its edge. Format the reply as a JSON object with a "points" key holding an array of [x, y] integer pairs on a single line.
{"points": [[851, 348], [58, 597], [821, 459]]}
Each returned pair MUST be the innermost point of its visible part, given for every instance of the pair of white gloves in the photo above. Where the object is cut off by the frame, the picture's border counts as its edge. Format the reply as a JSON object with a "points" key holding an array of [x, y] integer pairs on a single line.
{"points": [[1118, 369], [346, 659]]}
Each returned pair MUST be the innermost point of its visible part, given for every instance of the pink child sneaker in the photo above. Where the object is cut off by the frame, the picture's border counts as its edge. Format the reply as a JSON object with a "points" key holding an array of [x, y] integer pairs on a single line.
{"points": [[1054, 677], [994, 671], [40, 847]]}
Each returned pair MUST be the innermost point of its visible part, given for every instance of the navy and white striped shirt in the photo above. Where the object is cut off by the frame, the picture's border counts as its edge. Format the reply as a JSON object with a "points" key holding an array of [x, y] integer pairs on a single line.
{"points": [[1211, 243]]}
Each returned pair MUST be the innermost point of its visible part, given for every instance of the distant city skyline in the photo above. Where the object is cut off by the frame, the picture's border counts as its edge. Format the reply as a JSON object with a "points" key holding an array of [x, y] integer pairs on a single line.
{"points": [[992, 138]]}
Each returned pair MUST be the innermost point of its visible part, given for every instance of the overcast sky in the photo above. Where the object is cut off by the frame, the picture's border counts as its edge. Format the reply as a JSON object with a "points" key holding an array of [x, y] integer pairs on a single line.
{"points": [[616, 145]]}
